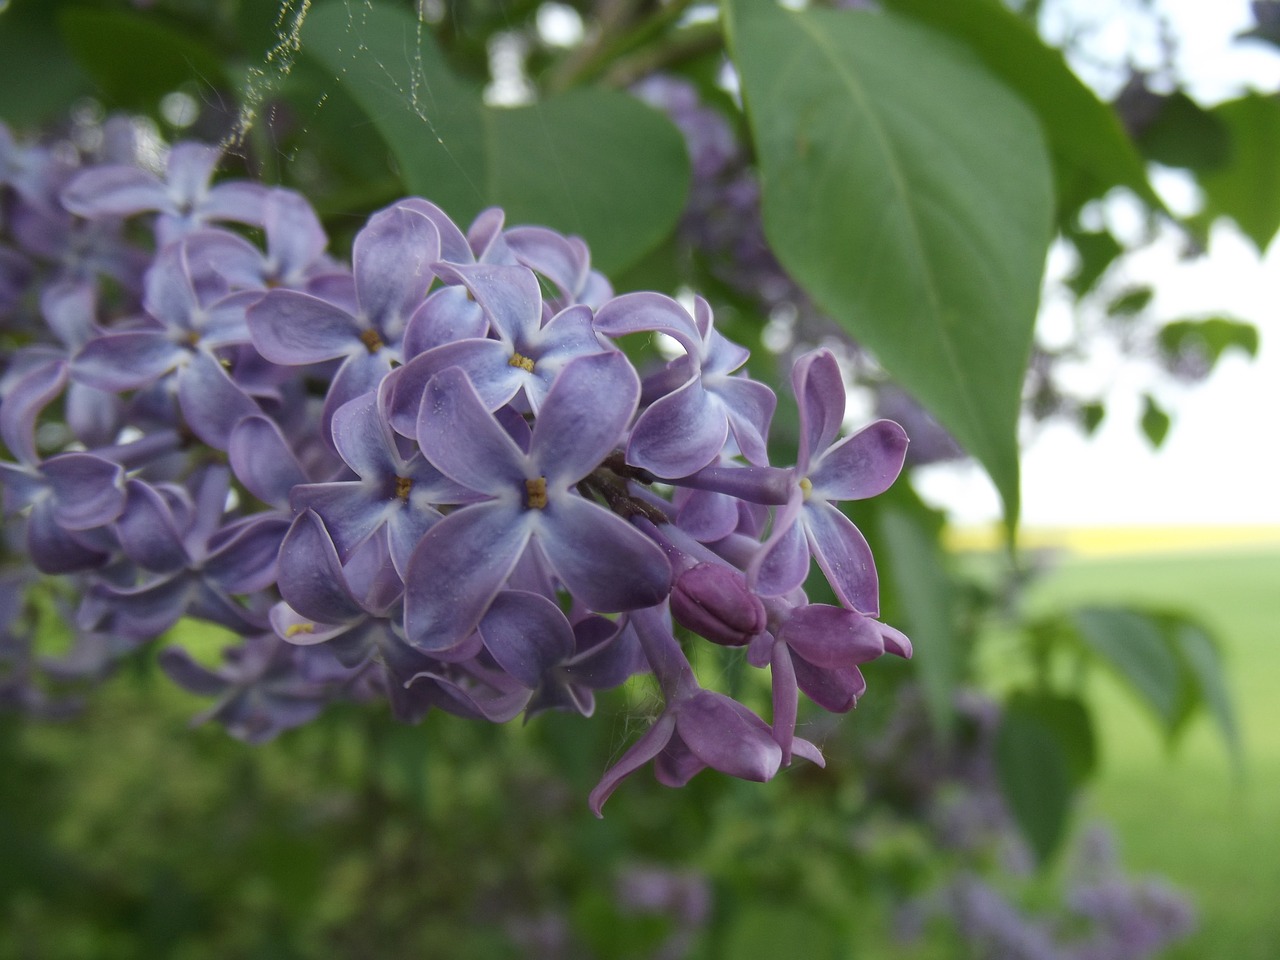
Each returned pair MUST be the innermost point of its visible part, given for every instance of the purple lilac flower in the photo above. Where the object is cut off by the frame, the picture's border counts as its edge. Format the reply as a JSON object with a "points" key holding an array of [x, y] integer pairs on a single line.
{"points": [[462, 562], [440, 480], [185, 200]]}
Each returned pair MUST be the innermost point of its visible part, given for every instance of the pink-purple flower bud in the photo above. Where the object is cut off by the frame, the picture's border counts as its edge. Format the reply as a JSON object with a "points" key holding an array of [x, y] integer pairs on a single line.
{"points": [[713, 600]]}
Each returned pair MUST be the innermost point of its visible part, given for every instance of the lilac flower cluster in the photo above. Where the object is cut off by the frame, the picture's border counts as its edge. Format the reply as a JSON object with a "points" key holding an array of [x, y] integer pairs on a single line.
{"points": [[434, 476]]}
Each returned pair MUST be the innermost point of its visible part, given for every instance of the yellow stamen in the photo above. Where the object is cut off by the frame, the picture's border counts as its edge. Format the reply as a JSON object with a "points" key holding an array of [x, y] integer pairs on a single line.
{"points": [[524, 363], [293, 629], [806, 487], [536, 493], [371, 340], [403, 486]]}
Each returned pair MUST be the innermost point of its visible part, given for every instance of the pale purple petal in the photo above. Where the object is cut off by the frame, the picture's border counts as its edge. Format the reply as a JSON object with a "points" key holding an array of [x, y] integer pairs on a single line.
{"points": [[458, 569], [289, 327], [88, 491], [584, 416], [188, 171], [527, 635], [649, 312], [235, 200], [115, 191], [22, 405], [680, 433], [783, 561], [551, 254], [243, 560], [212, 403], [363, 439], [126, 361], [749, 405], [147, 530], [351, 511], [487, 364], [509, 296], [819, 390], [263, 461], [844, 556], [463, 441], [309, 574], [606, 563], [453, 245], [446, 316], [392, 260], [862, 465]]}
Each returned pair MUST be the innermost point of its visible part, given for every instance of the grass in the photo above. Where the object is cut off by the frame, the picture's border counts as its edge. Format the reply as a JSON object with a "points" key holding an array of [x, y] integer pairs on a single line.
{"points": [[1187, 814]]}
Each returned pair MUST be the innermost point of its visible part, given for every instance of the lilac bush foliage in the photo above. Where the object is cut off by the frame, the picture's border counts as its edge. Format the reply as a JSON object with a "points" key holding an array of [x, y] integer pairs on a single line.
{"points": [[434, 477]]}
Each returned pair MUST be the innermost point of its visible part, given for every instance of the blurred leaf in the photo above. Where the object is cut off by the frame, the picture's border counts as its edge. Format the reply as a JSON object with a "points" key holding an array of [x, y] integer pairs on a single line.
{"points": [[1185, 134], [38, 76], [1036, 774], [925, 602], [1248, 188], [1155, 422], [135, 59], [584, 163], [1208, 337], [1090, 149], [1130, 302], [1200, 656], [910, 193], [1097, 251], [1068, 720], [1091, 415], [1133, 645], [763, 931]]}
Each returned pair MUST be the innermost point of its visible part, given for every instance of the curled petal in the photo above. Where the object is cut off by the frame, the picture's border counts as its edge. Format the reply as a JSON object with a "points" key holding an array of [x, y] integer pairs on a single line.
{"points": [[680, 433], [819, 389], [126, 361], [654, 740], [263, 461], [212, 403], [527, 635], [88, 491], [114, 191], [289, 327], [649, 312], [392, 259], [728, 737], [22, 405], [310, 575], [832, 637]]}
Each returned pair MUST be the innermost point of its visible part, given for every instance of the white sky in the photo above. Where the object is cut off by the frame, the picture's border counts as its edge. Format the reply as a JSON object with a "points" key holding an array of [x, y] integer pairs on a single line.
{"points": [[1221, 461]]}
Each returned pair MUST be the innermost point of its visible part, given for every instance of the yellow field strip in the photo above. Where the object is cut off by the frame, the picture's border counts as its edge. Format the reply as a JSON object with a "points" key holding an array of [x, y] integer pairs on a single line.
{"points": [[1115, 541]]}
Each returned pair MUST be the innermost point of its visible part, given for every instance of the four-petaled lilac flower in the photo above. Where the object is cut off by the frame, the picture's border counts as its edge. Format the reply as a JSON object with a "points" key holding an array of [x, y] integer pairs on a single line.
{"points": [[392, 261], [699, 401], [861, 465], [185, 199], [464, 560]]}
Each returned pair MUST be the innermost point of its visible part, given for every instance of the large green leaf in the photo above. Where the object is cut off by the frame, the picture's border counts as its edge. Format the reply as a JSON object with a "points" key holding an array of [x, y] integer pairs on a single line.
{"points": [[596, 163], [1091, 151], [38, 76], [1200, 658], [1134, 645], [136, 59], [1247, 189], [910, 193], [1036, 762], [926, 605]]}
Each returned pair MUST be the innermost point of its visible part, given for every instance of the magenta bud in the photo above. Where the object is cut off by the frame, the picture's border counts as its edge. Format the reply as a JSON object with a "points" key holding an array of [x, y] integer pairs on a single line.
{"points": [[713, 600]]}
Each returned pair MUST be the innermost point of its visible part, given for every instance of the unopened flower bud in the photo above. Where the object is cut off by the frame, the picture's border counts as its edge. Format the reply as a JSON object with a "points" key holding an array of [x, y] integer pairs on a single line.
{"points": [[713, 601]]}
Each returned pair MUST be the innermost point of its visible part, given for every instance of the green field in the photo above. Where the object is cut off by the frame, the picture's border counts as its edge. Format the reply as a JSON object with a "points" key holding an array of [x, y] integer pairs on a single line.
{"points": [[1187, 814]]}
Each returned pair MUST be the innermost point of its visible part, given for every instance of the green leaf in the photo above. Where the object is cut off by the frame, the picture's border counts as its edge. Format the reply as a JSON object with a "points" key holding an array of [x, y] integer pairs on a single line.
{"points": [[596, 163], [1131, 302], [1134, 646], [1155, 422], [1068, 720], [1209, 338], [924, 594], [1091, 415], [1097, 251], [38, 76], [909, 193], [1200, 657], [1185, 134], [1248, 188], [135, 59], [1036, 776], [1091, 151]]}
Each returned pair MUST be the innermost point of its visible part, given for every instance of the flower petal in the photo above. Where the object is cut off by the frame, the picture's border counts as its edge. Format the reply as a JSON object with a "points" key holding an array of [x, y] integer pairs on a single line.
{"points": [[527, 635], [654, 740], [458, 569], [862, 465], [392, 259], [844, 556], [584, 416], [461, 439], [680, 433], [289, 327], [607, 564]]}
